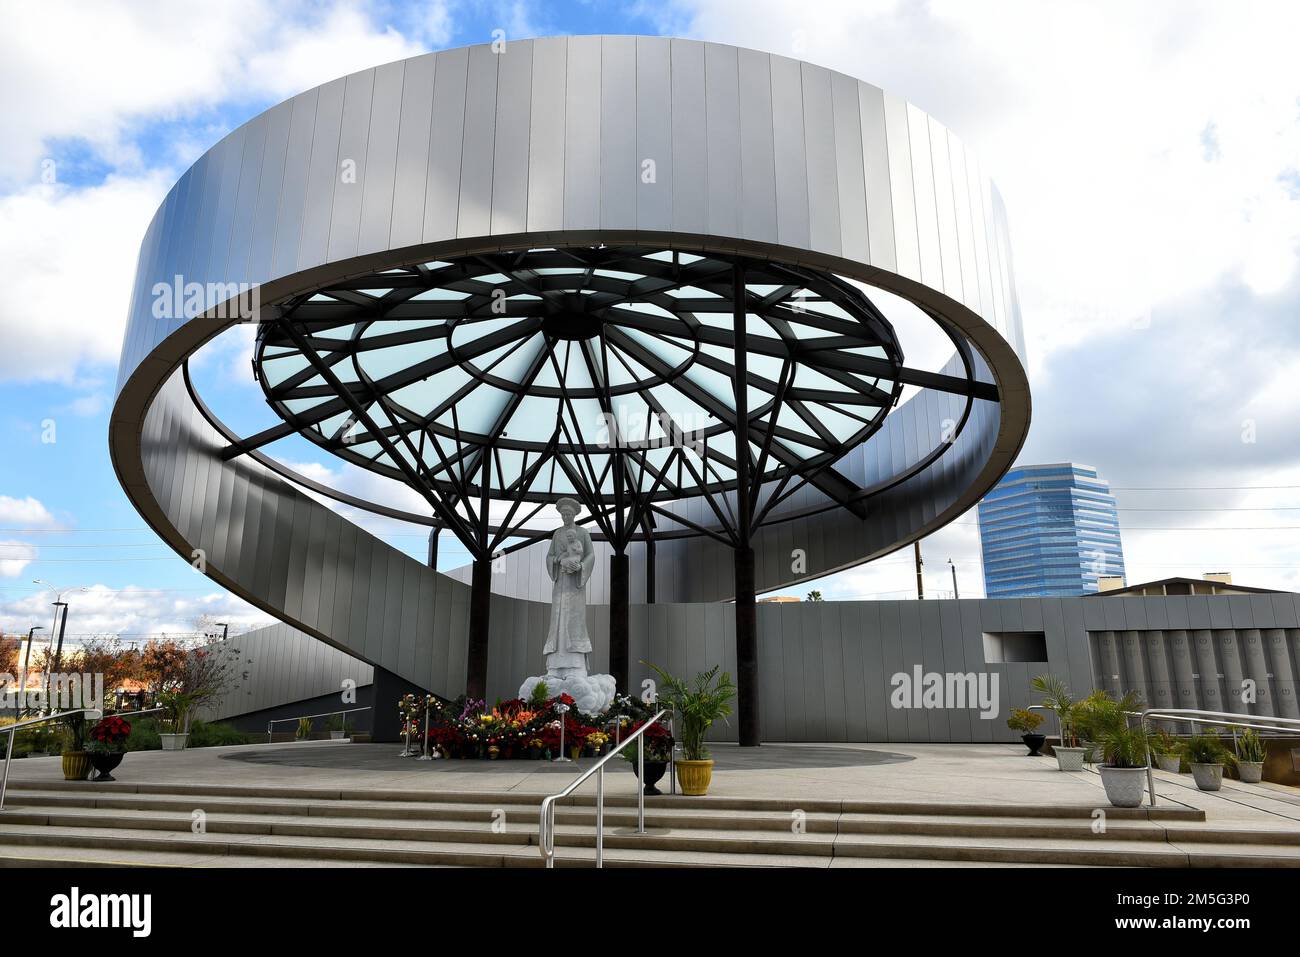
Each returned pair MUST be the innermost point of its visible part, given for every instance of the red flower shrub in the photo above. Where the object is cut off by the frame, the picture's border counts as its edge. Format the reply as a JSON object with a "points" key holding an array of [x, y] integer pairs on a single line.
{"points": [[111, 730]]}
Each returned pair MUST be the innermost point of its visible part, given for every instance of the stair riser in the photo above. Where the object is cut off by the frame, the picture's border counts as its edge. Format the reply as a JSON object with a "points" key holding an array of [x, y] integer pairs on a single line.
{"points": [[678, 802], [663, 843], [215, 847], [428, 830]]}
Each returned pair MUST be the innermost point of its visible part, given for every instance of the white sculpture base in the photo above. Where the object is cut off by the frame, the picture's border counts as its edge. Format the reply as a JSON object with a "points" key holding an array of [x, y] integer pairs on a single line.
{"points": [[591, 694]]}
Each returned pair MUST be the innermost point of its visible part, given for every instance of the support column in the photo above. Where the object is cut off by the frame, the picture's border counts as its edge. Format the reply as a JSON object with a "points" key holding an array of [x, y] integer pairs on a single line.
{"points": [[433, 547], [746, 614], [746, 649], [480, 596], [649, 570], [618, 620]]}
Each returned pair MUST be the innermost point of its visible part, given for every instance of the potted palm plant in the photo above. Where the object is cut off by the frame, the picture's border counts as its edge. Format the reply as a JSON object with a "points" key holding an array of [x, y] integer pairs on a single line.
{"points": [[1057, 699], [1250, 756], [1125, 750], [176, 719], [1168, 753], [698, 706], [1206, 756], [1027, 722]]}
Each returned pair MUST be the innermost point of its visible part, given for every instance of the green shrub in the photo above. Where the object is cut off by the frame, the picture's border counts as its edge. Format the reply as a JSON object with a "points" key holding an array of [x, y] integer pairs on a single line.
{"points": [[204, 735], [144, 735], [1024, 720]]}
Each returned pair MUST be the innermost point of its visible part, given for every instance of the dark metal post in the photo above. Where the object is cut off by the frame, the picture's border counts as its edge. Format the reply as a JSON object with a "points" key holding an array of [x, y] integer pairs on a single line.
{"points": [[920, 584], [743, 558], [480, 597], [618, 620], [433, 547], [955, 594]]}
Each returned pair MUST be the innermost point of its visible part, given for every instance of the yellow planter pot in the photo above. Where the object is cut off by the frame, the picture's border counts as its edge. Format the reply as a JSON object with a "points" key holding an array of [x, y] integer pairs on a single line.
{"points": [[76, 765], [694, 777]]}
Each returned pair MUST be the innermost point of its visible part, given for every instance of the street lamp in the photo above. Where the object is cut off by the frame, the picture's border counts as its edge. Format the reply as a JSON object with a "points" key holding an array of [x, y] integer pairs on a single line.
{"points": [[225, 629], [954, 579]]}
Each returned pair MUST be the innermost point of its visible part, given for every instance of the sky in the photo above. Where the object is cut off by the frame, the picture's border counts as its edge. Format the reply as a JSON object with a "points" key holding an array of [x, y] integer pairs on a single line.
{"points": [[1148, 154]]}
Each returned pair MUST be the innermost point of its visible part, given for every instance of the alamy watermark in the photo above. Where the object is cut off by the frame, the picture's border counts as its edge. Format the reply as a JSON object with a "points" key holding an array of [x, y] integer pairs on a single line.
{"points": [[946, 690], [179, 299], [65, 691]]}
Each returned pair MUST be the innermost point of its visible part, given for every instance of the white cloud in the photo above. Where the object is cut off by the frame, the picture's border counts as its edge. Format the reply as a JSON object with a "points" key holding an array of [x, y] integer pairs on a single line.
{"points": [[91, 71], [132, 612], [14, 557], [67, 257], [1092, 120], [25, 513], [93, 75]]}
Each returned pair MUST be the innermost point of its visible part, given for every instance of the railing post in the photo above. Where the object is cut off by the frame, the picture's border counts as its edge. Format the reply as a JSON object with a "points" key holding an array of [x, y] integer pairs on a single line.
{"points": [[9, 754], [640, 785], [600, 817]]}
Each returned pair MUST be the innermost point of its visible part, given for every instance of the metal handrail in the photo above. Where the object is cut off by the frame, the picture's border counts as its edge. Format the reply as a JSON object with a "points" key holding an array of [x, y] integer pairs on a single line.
{"points": [[1192, 716], [323, 714], [11, 728], [1214, 718], [546, 826]]}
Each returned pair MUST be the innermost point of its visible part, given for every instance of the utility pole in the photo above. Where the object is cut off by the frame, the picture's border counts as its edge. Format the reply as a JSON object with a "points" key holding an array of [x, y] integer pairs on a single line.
{"points": [[58, 650], [920, 585], [955, 594]]}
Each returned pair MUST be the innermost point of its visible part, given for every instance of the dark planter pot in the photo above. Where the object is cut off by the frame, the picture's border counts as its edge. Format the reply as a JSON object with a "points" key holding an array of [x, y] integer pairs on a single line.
{"points": [[104, 762], [654, 770], [1033, 742]]}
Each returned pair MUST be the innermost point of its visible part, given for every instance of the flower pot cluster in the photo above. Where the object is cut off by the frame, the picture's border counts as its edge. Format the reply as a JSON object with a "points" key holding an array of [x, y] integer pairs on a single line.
{"points": [[1099, 729], [1206, 755], [534, 729], [516, 729]]}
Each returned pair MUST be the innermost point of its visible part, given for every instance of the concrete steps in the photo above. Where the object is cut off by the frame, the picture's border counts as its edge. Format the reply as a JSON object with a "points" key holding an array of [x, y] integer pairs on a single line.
{"points": [[76, 823]]}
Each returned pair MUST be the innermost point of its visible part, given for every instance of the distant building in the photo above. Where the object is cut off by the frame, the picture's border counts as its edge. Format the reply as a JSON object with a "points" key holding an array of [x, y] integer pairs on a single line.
{"points": [[1212, 583], [1050, 530]]}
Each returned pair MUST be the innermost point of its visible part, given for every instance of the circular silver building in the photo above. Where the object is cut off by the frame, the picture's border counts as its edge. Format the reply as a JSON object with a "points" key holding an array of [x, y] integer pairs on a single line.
{"points": [[682, 282]]}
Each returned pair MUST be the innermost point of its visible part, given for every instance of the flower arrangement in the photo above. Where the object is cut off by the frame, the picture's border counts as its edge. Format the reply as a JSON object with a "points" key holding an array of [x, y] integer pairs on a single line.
{"points": [[110, 734], [515, 728]]}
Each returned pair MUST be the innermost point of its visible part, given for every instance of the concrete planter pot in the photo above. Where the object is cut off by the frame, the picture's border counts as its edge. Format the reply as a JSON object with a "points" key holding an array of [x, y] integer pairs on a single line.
{"points": [[1250, 772], [173, 742], [1069, 759], [1169, 762], [1208, 777], [1124, 786], [338, 735]]}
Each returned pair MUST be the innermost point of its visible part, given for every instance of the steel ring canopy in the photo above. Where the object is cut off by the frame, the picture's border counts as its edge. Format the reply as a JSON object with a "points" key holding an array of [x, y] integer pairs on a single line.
{"points": [[501, 305]]}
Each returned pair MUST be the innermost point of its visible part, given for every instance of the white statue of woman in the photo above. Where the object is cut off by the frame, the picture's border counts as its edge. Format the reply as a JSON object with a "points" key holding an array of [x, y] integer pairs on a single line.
{"points": [[569, 562]]}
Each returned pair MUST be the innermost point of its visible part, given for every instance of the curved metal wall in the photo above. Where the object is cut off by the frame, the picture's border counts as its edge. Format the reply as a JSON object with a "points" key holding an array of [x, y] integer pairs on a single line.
{"points": [[827, 668], [467, 151]]}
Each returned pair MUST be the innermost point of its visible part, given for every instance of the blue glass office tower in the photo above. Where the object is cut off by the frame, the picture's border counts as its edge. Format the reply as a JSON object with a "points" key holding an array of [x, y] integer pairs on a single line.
{"points": [[1049, 530]]}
